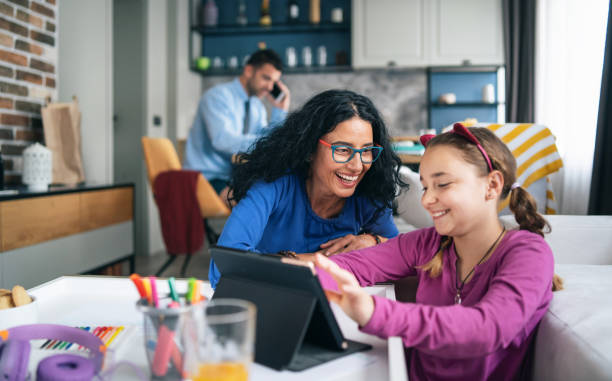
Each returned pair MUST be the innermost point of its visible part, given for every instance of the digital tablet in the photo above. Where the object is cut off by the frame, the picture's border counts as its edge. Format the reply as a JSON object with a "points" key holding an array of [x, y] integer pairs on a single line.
{"points": [[296, 328]]}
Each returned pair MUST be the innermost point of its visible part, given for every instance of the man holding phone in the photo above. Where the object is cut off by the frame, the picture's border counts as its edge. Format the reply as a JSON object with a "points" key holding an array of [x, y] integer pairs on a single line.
{"points": [[231, 116]]}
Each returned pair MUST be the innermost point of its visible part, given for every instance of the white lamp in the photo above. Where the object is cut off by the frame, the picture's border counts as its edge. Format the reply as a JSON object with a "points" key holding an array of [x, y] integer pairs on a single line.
{"points": [[37, 167]]}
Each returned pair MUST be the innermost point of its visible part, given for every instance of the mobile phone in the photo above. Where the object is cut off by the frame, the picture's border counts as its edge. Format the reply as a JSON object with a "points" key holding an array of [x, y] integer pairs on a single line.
{"points": [[277, 93]]}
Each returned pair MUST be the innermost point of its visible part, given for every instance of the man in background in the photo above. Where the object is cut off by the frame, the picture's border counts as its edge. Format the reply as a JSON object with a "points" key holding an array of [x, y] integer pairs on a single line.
{"points": [[231, 116]]}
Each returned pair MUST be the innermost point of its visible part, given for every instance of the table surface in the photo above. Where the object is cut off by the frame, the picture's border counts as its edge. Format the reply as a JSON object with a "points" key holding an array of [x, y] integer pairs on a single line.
{"points": [[22, 191], [111, 301]]}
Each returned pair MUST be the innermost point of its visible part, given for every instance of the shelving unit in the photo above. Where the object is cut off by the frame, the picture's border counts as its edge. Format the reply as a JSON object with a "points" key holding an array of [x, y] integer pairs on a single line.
{"points": [[466, 82], [225, 30], [229, 39]]}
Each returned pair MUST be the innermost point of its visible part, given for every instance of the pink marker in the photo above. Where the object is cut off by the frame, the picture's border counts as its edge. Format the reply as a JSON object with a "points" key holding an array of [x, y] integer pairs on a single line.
{"points": [[163, 351], [154, 291]]}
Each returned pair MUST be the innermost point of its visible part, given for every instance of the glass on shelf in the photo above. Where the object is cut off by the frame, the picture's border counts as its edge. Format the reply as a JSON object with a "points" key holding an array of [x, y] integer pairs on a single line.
{"points": [[242, 19], [217, 63], [291, 56], [232, 62], [322, 55], [307, 56]]}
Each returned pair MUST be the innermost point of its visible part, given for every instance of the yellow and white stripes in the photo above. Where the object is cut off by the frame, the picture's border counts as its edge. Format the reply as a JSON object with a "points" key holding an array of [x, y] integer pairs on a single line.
{"points": [[536, 155]]}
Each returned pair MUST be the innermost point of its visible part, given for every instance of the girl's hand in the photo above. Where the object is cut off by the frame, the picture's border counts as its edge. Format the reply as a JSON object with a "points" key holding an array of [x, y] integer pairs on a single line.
{"points": [[308, 257], [355, 302], [347, 243]]}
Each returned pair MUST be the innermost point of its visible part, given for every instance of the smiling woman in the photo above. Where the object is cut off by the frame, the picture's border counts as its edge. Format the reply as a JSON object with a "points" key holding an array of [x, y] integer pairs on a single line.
{"points": [[324, 182]]}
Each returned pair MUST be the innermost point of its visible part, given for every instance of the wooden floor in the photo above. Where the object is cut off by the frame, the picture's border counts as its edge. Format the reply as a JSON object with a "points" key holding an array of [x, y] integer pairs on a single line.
{"points": [[197, 267]]}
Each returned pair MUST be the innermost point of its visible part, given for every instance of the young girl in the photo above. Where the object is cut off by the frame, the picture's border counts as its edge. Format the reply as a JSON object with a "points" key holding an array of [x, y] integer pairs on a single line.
{"points": [[482, 289]]}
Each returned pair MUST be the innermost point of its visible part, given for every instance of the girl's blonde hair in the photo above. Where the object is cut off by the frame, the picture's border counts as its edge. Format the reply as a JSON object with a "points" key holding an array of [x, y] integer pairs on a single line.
{"points": [[522, 204]]}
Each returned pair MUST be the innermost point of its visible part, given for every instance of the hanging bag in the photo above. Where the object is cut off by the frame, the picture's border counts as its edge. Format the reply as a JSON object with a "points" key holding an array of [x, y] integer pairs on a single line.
{"points": [[62, 128]]}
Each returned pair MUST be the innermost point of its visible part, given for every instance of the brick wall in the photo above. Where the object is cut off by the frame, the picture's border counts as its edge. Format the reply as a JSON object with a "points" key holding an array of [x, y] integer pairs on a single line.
{"points": [[28, 67]]}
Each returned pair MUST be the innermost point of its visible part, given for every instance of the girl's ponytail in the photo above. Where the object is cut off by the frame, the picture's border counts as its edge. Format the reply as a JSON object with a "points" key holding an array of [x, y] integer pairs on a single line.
{"points": [[525, 211]]}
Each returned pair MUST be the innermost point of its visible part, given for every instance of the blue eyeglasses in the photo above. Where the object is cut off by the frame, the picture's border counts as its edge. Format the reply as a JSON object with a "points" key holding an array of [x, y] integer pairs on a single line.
{"points": [[343, 153]]}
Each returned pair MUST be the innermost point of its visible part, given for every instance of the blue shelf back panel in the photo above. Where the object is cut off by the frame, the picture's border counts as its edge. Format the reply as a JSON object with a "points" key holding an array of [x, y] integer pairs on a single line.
{"points": [[442, 117], [241, 45], [228, 10], [467, 86]]}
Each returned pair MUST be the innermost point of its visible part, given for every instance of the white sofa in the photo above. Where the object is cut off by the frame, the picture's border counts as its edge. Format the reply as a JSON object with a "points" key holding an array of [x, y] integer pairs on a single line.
{"points": [[574, 340]]}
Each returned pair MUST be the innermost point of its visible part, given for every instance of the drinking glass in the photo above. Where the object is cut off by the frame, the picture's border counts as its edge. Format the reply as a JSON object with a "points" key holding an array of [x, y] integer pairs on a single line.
{"points": [[322, 55], [232, 62], [162, 333], [291, 56], [307, 56], [219, 341]]}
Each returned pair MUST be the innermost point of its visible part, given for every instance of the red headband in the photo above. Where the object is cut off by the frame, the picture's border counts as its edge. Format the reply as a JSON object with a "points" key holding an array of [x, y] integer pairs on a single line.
{"points": [[459, 129]]}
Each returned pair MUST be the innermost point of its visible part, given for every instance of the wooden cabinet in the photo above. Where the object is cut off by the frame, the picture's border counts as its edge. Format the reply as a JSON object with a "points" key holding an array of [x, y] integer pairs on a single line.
{"points": [[64, 232], [413, 33]]}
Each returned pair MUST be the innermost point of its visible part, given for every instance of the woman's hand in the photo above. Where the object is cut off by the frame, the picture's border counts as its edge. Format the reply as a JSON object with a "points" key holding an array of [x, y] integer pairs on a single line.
{"points": [[355, 302], [349, 242]]}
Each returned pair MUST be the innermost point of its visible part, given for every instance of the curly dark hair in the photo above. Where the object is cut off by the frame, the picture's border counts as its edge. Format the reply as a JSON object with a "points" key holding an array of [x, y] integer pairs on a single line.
{"points": [[289, 147]]}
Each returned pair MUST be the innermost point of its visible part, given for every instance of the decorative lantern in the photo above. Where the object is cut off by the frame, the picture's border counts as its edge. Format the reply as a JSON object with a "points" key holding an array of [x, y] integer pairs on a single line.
{"points": [[37, 167]]}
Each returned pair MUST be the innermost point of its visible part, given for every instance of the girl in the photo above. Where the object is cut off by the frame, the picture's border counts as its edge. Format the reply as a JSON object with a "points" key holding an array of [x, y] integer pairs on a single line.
{"points": [[482, 289]]}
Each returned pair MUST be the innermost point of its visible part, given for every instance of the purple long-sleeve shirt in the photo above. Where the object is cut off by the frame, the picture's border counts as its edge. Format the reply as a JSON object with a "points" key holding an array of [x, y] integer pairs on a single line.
{"points": [[484, 338]]}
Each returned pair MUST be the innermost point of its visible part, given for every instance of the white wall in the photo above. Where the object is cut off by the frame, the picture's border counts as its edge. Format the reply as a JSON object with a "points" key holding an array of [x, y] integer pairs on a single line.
{"points": [[173, 90], [188, 84], [85, 69], [157, 98]]}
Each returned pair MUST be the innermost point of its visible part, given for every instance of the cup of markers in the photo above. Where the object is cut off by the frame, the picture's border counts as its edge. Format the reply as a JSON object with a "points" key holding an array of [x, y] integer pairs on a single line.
{"points": [[164, 321]]}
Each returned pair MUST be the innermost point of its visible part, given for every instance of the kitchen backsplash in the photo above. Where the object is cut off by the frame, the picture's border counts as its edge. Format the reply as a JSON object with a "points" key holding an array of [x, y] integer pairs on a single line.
{"points": [[400, 95]]}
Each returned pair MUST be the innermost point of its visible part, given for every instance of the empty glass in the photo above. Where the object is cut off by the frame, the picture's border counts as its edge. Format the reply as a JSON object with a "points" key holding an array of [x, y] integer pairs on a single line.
{"points": [[232, 63], [307, 56], [322, 55], [291, 56], [217, 63]]}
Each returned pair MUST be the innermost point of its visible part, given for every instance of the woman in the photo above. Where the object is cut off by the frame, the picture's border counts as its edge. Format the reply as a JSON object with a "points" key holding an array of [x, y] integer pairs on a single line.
{"points": [[324, 182]]}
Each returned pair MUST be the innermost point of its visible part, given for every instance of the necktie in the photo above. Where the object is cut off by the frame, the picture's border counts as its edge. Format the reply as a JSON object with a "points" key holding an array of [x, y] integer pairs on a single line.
{"points": [[245, 129]]}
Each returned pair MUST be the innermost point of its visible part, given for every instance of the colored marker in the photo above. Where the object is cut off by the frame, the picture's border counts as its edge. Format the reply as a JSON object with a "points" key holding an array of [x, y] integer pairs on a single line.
{"points": [[114, 335], [83, 328], [137, 280], [173, 293], [190, 286], [195, 296], [154, 295], [147, 287]]}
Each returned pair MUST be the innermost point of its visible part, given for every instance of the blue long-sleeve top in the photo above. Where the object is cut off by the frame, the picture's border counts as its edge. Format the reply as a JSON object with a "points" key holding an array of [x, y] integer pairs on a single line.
{"points": [[277, 216], [217, 130]]}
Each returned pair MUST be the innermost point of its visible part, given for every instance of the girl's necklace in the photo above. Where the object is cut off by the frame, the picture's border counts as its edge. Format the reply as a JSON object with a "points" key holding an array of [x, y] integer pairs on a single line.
{"points": [[460, 287]]}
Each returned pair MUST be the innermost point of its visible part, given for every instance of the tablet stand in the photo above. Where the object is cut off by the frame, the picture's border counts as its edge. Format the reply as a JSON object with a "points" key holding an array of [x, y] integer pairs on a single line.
{"points": [[284, 316]]}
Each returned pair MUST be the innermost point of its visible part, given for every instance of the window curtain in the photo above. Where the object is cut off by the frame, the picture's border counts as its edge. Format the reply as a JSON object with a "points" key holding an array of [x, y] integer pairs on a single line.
{"points": [[519, 48], [601, 184], [569, 57]]}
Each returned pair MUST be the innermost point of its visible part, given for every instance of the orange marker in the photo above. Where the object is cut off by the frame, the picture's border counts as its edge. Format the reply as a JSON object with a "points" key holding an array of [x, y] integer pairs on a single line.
{"points": [[137, 280]]}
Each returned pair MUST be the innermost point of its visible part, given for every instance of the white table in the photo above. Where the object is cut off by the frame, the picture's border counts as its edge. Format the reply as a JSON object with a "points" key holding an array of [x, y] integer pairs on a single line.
{"points": [[111, 301]]}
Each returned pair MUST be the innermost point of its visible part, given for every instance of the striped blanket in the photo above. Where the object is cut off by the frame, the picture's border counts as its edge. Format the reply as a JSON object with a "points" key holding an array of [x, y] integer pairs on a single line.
{"points": [[536, 155]]}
